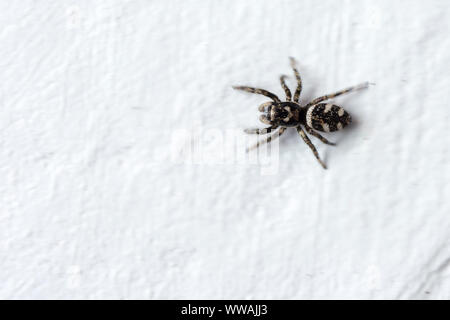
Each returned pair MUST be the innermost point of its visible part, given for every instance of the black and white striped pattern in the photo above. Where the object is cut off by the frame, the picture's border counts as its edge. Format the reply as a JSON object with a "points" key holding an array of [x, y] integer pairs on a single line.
{"points": [[327, 117]]}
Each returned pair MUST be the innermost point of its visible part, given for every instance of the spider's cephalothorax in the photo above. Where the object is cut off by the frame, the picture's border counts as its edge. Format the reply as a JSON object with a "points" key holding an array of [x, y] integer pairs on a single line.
{"points": [[325, 117], [286, 114]]}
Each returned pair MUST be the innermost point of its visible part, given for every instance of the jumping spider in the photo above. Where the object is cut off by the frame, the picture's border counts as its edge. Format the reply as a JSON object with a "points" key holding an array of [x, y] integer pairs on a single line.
{"points": [[325, 117]]}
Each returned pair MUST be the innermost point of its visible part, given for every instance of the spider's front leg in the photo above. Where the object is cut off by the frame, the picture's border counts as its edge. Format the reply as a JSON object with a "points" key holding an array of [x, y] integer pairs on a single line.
{"points": [[258, 91], [285, 88], [299, 80], [318, 136], [341, 92], [310, 145], [268, 140], [260, 131]]}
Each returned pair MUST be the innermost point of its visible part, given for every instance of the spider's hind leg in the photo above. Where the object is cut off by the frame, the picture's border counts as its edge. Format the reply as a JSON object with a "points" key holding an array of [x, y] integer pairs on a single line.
{"points": [[318, 136], [310, 145], [341, 92]]}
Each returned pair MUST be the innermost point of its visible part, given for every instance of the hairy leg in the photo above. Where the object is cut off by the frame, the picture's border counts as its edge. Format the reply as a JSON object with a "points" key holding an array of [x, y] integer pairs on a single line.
{"points": [[299, 80], [260, 131], [318, 136], [268, 140], [341, 92], [310, 145], [258, 91], [285, 88]]}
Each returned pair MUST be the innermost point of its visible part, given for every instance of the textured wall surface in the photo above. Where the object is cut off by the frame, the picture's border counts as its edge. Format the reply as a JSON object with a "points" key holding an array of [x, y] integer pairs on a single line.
{"points": [[102, 106]]}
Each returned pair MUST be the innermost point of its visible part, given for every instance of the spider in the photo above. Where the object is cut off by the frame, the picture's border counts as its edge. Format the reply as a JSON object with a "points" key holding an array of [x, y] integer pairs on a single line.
{"points": [[325, 117]]}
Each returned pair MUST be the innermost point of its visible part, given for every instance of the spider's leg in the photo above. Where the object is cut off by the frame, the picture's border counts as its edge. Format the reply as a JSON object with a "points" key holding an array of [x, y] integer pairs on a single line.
{"points": [[318, 136], [260, 131], [258, 91], [310, 145], [285, 88], [341, 92], [268, 140], [299, 80]]}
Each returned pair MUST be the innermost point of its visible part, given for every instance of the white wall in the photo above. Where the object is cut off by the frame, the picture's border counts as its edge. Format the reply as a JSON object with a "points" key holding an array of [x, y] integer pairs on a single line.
{"points": [[95, 203]]}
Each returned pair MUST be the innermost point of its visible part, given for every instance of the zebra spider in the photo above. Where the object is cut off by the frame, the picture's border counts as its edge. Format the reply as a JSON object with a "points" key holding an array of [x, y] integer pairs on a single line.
{"points": [[325, 117]]}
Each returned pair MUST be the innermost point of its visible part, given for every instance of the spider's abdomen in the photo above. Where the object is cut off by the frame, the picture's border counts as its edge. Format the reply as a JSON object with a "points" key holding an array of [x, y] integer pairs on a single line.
{"points": [[327, 117]]}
